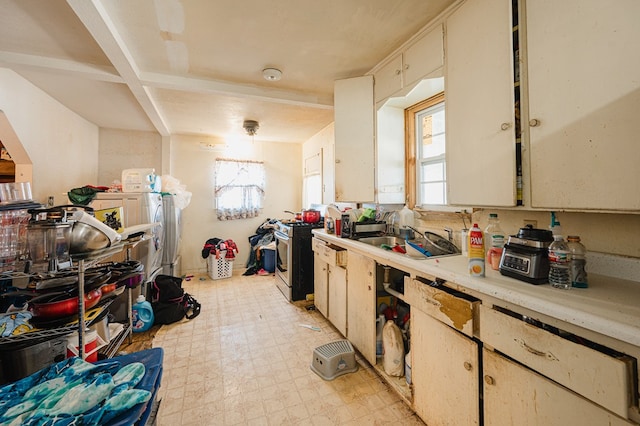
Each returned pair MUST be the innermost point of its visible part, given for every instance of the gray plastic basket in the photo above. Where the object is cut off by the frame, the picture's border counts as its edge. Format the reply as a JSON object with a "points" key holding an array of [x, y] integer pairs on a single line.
{"points": [[334, 359]]}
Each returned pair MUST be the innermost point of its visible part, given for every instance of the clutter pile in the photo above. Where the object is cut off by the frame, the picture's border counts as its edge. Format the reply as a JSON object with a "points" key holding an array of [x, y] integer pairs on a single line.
{"points": [[220, 247], [263, 239]]}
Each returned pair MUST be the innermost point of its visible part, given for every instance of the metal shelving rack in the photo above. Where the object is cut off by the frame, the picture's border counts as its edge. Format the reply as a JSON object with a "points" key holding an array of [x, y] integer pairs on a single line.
{"points": [[96, 256], [84, 260]]}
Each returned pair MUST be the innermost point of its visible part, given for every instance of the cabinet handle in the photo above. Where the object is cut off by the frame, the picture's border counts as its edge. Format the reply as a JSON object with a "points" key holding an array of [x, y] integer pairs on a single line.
{"points": [[337, 161], [534, 351], [505, 126], [534, 122], [406, 67], [398, 72], [468, 366], [489, 380]]}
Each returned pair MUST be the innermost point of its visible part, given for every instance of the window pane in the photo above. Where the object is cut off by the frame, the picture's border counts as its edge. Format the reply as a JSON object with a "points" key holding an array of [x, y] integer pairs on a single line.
{"points": [[430, 149], [433, 172], [239, 188], [432, 193], [313, 190], [430, 130]]}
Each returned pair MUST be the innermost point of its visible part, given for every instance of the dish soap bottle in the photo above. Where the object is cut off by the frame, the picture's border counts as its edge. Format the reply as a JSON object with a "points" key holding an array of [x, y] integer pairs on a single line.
{"points": [[141, 314], [578, 262]]}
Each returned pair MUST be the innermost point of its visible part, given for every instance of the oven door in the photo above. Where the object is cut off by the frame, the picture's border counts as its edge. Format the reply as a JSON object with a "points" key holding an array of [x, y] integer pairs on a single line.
{"points": [[283, 273]]}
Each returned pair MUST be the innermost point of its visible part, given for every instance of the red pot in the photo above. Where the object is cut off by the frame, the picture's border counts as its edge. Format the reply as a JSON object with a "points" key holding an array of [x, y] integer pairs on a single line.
{"points": [[311, 216]]}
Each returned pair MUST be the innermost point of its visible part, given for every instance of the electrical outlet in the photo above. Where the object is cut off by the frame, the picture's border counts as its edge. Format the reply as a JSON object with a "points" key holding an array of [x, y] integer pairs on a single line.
{"points": [[531, 222]]}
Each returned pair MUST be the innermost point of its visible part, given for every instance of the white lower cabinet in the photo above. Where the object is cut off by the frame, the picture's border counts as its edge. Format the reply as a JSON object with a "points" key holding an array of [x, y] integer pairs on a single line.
{"points": [[330, 282], [320, 284], [559, 378], [338, 298], [516, 395], [361, 296], [444, 373]]}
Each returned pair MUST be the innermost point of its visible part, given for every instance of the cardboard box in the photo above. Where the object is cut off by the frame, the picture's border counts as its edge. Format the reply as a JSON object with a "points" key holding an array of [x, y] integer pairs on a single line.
{"points": [[111, 217]]}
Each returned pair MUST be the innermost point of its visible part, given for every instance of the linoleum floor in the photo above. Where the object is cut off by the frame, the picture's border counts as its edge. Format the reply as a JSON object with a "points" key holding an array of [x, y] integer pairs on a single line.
{"points": [[245, 360]]}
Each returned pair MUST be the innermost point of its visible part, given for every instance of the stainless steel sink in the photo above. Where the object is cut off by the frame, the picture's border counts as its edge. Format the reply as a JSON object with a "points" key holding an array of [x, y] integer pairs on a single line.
{"points": [[389, 240]]}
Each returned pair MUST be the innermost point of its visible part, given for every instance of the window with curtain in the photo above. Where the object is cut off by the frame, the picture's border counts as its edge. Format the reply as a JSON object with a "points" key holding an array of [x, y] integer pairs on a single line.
{"points": [[239, 188]]}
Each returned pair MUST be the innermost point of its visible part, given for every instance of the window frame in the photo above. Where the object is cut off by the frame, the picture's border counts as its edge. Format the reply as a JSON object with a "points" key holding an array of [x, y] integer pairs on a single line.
{"points": [[411, 150]]}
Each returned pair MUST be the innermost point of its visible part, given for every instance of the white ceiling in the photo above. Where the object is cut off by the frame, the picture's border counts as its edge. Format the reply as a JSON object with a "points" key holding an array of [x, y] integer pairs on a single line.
{"points": [[195, 66]]}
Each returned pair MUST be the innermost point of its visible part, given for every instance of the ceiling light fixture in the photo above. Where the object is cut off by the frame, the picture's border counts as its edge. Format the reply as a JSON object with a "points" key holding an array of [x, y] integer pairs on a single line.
{"points": [[271, 74], [251, 127]]}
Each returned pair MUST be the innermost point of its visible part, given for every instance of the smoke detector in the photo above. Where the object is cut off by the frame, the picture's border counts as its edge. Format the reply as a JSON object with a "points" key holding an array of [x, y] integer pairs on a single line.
{"points": [[271, 74], [251, 127]]}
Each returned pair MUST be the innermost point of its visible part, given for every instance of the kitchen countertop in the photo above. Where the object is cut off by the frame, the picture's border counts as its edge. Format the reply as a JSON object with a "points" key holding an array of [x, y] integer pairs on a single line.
{"points": [[610, 306]]}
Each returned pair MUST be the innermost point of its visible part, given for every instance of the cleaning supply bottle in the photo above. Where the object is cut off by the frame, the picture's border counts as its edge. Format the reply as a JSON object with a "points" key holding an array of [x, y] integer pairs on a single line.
{"points": [[141, 314], [476, 252]]}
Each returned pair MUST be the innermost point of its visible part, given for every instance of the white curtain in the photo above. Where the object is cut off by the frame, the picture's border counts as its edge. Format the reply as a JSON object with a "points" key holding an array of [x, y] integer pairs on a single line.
{"points": [[239, 188]]}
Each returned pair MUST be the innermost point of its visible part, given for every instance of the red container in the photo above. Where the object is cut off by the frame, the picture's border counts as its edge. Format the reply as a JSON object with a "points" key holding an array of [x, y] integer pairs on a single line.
{"points": [[311, 216], [91, 341]]}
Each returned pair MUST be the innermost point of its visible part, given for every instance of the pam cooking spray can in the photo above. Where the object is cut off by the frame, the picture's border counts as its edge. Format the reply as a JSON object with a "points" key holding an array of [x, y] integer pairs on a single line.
{"points": [[476, 252]]}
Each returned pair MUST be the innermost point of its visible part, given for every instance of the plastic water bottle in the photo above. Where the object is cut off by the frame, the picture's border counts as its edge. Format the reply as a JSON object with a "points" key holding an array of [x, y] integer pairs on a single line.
{"points": [[493, 233], [141, 314], [494, 241], [476, 252], [559, 263], [578, 262]]}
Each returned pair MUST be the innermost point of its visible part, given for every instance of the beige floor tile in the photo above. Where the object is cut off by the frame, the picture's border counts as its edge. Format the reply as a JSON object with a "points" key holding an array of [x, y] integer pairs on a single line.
{"points": [[246, 361]]}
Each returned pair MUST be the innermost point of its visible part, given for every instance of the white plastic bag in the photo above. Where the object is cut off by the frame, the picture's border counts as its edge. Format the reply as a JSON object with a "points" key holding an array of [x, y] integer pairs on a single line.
{"points": [[181, 196], [393, 346]]}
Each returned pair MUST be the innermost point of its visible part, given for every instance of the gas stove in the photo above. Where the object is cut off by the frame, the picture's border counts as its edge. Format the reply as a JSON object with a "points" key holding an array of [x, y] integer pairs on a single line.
{"points": [[291, 227]]}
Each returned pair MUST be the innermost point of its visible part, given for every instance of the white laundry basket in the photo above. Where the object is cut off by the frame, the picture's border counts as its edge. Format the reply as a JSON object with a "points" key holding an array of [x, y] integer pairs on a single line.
{"points": [[219, 268]]}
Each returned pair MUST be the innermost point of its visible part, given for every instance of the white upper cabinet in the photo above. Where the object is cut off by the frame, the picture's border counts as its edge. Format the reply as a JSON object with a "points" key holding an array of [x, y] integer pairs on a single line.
{"points": [[418, 60], [389, 78], [479, 102], [584, 99], [354, 140]]}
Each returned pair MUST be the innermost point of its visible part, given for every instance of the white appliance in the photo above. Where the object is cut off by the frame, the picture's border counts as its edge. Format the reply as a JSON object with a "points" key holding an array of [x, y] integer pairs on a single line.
{"points": [[172, 236], [138, 208]]}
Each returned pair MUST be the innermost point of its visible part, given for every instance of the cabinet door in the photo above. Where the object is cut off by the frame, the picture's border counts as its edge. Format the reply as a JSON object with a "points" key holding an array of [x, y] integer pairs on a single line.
{"points": [[513, 394], [584, 91], [338, 298], [361, 315], [423, 57], [354, 145], [481, 150], [388, 79], [444, 372], [320, 285]]}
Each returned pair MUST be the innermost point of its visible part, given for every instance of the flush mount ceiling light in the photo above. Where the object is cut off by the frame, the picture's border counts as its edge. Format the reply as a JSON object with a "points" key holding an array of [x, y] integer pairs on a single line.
{"points": [[251, 127], [271, 74]]}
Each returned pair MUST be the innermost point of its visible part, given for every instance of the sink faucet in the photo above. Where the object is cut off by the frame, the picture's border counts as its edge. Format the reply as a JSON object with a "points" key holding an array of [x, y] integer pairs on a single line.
{"points": [[449, 233]]}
